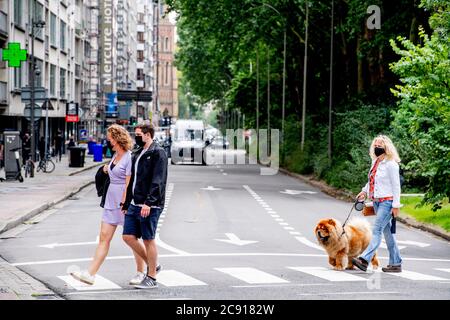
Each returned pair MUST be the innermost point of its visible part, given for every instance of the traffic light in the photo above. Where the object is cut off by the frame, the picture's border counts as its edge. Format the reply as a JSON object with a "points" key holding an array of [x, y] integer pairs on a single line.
{"points": [[133, 121]]}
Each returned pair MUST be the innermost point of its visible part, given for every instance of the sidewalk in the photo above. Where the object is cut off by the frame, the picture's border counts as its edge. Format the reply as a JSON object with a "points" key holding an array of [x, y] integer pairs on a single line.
{"points": [[21, 201]]}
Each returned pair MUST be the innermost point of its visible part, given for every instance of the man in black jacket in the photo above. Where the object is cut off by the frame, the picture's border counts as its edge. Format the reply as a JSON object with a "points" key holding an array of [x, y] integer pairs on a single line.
{"points": [[145, 200]]}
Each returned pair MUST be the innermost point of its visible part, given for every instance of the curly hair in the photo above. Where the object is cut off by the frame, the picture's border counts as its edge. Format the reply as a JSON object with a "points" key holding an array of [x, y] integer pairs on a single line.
{"points": [[121, 136]]}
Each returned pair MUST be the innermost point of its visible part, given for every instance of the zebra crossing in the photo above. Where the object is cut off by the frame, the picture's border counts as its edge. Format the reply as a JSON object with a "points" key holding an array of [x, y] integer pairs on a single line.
{"points": [[255, 276]]}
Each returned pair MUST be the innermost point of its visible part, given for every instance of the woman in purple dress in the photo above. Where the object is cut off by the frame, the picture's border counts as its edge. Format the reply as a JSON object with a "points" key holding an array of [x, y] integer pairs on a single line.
{"points": [[119, 171]]}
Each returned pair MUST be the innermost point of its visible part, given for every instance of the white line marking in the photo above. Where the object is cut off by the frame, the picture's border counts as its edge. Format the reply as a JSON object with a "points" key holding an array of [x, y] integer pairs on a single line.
{"points": [[330, 275], [285, 285], [275, 216], [234, 239], [347, 293], [295, 233], [309, 243], [172, 278], [99, 284], [164, 245], [414, 243], [288, 228], [411, 275], [251, 275], [384, 246], [208, 255], [283, 224], [279, 219], [442, 269]]}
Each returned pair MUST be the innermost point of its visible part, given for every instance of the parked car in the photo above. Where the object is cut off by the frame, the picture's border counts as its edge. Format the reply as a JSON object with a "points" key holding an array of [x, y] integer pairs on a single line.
{"points": [[188, 142]]}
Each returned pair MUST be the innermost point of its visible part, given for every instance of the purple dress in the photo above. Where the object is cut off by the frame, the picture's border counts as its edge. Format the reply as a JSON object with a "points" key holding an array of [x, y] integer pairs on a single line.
{"points": [[112, 213]]}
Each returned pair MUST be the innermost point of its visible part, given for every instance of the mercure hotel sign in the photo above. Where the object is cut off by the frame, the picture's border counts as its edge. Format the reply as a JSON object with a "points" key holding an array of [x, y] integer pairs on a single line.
{"points": [[106, 27]]}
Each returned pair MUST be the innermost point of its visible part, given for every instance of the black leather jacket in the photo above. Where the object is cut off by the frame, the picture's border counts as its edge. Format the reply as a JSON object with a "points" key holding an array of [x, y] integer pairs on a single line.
{"points": [[151, 178]]}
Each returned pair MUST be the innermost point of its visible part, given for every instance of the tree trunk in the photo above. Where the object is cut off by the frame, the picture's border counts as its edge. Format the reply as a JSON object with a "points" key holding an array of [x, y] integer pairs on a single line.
{"points": [[360, 65]]}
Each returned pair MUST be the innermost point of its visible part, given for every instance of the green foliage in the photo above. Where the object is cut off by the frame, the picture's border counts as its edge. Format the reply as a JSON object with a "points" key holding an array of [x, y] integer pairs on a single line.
{"points": [[423, 118]]}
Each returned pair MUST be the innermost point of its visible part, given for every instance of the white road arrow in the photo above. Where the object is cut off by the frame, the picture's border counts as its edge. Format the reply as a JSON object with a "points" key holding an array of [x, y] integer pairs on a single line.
{"points": [[287, 191], [211, 188], [54, 245], [233, 239]]}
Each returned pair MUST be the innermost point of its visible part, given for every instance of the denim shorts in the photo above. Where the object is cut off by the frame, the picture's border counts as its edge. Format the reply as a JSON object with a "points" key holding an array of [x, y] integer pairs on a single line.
{"points": [[138, 226]]}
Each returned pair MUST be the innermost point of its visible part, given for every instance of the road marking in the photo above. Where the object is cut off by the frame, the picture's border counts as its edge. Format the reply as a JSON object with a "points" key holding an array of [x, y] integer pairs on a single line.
{"points": [[288, 228], [414, 243], [384, 246], [233, 239], [172, 278], [411, 275], [99, 284], [211, 188], [279, 219], [209, 255], [330, 275], [309, 243], [294, 192], [295, 233], [347, 293], [284, 224], [164, 245], [72, 244], [284, 285], [442, 269], [275, 216], [251, 275]]}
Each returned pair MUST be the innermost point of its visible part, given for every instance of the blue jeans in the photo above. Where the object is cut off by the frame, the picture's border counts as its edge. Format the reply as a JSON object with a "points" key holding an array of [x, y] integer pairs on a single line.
{"points": [[383, 225]]}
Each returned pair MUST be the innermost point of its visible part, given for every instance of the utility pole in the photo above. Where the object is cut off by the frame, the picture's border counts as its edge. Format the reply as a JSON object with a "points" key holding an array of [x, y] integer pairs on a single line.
{"points": [[305, 65], [33, 136], [330, 120], [283, 102]]}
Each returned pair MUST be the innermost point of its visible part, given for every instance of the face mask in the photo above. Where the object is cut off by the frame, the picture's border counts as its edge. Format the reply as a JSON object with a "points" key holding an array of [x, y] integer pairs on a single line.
{"points": [[139, 141], [378, 151]]}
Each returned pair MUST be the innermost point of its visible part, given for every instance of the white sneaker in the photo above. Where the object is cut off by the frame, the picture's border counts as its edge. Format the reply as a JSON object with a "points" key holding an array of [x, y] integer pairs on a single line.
{"points": [[83, 276], [137, 279]]}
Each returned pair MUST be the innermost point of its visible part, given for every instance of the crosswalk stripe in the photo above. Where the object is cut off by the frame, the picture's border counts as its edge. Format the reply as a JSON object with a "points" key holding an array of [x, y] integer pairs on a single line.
{"points": [[442, 269], [309, 243], [251, 275], [100, 283], [172, 278], [411, 275], [327, 274]]}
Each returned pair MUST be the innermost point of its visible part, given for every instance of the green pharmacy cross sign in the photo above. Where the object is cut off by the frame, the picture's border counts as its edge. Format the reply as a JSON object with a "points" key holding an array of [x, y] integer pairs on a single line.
{"points": [[14, 55]]}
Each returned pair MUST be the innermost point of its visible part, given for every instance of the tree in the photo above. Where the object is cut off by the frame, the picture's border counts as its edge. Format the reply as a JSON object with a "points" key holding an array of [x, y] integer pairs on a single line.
{"points": [[423, 118]]}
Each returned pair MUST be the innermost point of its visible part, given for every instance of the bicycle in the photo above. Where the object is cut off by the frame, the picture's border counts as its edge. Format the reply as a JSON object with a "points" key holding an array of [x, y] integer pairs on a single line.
{"points": [[29, 168], [46, 164]]}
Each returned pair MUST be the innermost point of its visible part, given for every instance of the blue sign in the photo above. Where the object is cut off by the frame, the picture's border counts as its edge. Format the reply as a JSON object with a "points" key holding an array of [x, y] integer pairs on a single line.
{"points": [[83, 135], [111, 105]]}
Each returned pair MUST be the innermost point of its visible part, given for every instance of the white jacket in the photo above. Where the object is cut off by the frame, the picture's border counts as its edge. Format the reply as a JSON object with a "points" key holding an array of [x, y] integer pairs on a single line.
{"points": [[387, 181]]}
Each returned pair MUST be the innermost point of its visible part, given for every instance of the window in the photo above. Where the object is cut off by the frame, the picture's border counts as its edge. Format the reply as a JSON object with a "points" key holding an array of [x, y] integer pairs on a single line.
{"points": [[62, 83], [38, 16], [166, 44], [18, 12], [53, 29], [140, 56], [17, 78], [166, 81], [52, 80], [62, 34], [141, 37]]}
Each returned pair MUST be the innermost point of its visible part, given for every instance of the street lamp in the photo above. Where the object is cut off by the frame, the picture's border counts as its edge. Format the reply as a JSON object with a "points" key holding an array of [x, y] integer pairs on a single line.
{"points": [[34, 24]]}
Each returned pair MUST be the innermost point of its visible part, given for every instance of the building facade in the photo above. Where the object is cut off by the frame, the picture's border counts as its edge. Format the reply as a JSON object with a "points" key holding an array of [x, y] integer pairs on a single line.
{"points": [[166, 89], [86, 51]]}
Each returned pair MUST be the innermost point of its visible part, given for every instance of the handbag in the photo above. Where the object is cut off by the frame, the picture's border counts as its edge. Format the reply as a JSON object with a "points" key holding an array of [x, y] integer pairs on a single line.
{"points": [[368, 209]]}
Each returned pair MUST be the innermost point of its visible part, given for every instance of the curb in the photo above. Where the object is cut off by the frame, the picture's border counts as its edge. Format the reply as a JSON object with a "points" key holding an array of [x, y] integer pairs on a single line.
{"points": [[348, 196], [12, 224], [88, 168]]}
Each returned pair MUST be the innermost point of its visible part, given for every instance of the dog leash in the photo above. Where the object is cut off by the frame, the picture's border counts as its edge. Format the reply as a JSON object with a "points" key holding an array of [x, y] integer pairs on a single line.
{"points": [[348, 217]]}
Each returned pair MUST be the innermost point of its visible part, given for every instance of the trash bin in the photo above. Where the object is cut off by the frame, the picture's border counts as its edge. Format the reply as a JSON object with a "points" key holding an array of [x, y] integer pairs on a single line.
{"points": [[98, 152], [91, 145], [76, 156]]}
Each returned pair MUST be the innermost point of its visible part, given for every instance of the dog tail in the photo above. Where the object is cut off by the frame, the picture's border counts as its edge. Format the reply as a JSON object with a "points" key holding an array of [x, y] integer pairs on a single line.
{"points": [[361, 224]]}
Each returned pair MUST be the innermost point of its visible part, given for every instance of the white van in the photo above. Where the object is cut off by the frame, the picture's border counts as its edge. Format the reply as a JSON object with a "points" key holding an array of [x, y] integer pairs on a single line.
{"points": [[188, 142]]}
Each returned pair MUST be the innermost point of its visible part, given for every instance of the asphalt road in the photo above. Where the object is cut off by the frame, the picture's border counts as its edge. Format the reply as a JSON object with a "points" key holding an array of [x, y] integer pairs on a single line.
{"points": [[227, 232]]}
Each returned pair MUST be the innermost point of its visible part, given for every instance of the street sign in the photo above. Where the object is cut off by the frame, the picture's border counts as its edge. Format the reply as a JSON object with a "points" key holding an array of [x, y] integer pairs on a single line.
{"points": [[72, 118], [37, 112], [40, 94], [14, 55], [134, 95]]}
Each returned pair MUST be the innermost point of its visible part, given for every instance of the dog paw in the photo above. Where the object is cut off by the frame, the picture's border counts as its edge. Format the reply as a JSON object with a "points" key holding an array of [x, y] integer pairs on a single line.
{"points": [[338, 268]]}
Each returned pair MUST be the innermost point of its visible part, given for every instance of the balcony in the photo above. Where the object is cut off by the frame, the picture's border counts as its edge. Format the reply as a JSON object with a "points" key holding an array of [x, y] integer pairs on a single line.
{"points": [[3, 94], [3, 25]]}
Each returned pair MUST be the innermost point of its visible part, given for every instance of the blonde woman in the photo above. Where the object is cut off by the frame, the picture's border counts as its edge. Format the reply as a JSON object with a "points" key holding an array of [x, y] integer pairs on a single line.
{"points": [[119, 172], [383, 188]]}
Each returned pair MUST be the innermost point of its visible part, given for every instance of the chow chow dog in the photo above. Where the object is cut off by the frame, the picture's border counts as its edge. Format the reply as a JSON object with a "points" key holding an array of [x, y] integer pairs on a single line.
{"points": [[341, 249]]}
